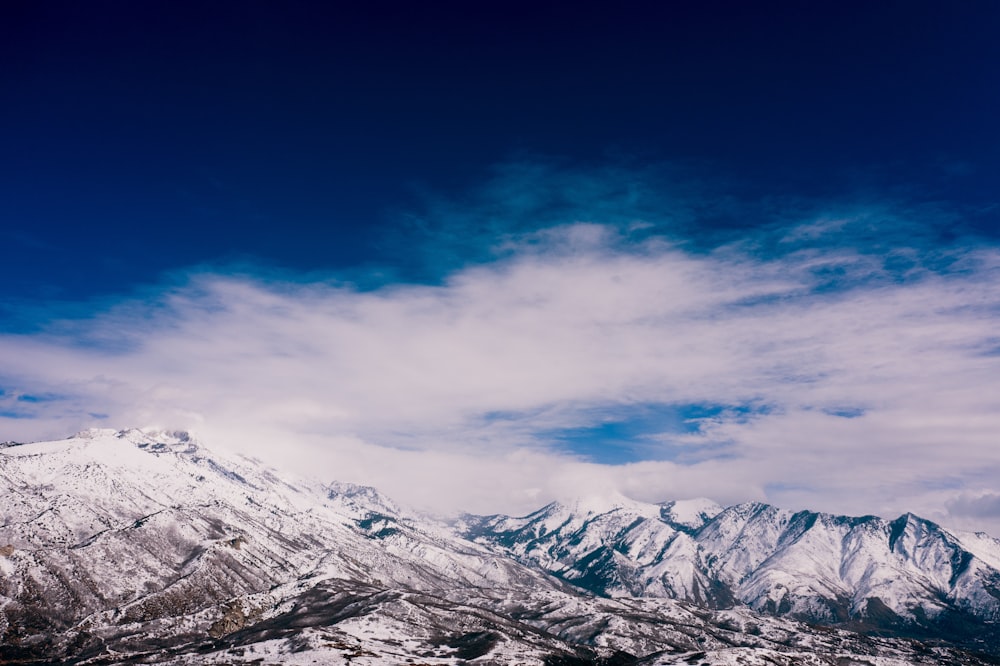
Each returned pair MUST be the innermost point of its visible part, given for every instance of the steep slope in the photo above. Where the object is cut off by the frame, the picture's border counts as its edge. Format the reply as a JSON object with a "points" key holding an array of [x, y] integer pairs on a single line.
{"points": [[144, 547], [612, 546], [907, 576], [119, 530], [910, 567]]}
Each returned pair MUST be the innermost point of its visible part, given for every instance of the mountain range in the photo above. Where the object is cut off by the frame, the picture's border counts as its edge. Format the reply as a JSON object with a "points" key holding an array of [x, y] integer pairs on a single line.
{"points": [[146, 547], [907, 572]]}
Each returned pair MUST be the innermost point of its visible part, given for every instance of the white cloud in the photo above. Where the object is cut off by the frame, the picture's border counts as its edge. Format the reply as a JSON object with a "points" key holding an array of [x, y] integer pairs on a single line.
{"points": [[870, 392]]}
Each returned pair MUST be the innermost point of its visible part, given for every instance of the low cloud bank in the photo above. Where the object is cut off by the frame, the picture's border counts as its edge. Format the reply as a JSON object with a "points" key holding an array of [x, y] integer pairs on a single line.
{"points": [[836, 379]]}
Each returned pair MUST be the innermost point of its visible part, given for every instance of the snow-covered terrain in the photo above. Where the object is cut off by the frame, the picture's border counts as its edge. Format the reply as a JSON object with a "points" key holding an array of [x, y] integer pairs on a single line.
{"points": [[904, 575], [137, 546]]}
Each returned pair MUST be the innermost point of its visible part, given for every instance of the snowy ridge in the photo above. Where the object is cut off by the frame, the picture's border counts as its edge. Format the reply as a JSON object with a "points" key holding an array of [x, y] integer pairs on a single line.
{"points": [[813, 566], [145, 546]]}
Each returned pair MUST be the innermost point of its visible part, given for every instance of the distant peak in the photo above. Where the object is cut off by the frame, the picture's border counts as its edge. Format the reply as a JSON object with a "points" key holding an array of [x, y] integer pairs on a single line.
{"points": [[360, 497], [158, 434], [690, 513], [96, 433], [600, 503], [348, 489], [137, 435]]}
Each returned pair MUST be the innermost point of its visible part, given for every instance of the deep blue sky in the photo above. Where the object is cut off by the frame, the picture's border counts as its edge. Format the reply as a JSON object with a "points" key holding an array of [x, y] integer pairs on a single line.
{"points": [[141, 137], [717, 248]]}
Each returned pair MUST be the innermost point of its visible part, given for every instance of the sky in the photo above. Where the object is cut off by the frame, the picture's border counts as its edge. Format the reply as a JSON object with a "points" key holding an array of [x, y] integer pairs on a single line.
{"points": [[486, 255]]}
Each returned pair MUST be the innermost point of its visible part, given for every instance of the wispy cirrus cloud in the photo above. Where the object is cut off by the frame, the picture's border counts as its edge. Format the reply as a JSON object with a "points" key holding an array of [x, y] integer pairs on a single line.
{"points": [[798, 363]]}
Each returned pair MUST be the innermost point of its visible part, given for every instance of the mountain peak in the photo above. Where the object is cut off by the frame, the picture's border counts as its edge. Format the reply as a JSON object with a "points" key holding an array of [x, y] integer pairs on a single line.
{"points": [[359, 501], [173, 440], [95, 433], [691, 514], [601, 503]]}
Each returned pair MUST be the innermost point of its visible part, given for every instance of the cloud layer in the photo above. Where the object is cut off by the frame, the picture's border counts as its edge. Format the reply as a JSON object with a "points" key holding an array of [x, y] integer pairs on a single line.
{"points": [[824, 376]]}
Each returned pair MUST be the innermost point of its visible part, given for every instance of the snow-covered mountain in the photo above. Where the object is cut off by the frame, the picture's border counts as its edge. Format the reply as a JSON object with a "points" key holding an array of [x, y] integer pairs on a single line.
{"points": [[145, 547], [906, 575]]}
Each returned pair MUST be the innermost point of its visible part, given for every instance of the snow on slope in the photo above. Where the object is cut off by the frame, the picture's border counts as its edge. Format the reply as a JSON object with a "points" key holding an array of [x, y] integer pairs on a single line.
{"points": [[117, 529], [823, 568], [144, 546]]}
